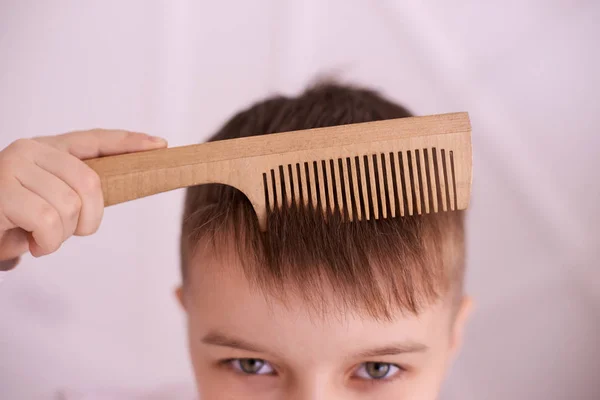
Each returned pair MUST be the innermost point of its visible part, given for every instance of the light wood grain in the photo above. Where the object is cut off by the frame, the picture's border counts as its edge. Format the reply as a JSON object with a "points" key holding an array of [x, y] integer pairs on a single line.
{"points": [[242, 162]]}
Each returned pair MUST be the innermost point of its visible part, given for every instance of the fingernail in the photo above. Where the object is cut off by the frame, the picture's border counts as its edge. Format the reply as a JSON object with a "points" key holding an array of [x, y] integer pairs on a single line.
{"points": [[157, 139], [7, 265]]}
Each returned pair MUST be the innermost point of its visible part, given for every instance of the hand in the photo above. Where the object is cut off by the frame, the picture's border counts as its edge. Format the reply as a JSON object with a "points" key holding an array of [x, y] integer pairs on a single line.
{"points": [[47, 194]]}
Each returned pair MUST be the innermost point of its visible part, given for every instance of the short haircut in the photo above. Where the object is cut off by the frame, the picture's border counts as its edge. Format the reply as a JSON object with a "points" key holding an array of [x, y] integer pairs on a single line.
{"points": [[375, 266]]}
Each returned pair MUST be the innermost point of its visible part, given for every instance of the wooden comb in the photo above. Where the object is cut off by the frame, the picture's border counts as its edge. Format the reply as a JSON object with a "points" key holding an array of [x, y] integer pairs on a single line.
{"points": [[370, 170]]}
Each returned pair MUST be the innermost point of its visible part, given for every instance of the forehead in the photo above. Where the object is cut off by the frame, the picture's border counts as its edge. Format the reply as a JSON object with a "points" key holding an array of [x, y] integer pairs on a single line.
{"points": [[220, 297]]}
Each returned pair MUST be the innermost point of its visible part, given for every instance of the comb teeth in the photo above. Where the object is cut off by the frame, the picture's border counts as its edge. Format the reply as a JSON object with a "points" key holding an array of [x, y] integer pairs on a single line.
{"points": [[383, 185]]}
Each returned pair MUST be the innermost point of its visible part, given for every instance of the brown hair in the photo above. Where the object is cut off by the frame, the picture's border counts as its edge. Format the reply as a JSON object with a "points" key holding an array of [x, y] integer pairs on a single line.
{"points": [[375, 266]]}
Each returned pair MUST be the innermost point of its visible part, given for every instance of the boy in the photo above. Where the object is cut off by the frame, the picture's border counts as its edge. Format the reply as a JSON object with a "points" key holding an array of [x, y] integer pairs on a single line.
{"points": [[311, 309]]}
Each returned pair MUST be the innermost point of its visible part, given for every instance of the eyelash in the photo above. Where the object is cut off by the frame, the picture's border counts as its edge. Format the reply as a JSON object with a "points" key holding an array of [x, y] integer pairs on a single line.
{"points": [[230, 363], [391, 376]]}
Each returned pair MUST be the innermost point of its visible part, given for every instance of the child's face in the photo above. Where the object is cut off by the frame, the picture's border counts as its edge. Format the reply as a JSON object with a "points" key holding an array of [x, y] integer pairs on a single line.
{"points": [[247, 346]]}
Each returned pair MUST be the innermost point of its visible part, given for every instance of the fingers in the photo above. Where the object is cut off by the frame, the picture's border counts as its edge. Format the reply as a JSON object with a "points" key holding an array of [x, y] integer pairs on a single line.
{"points": [[47, 194], [13, 243], [35, 249], [32, 213], [100, 142], [54, 191], [85, 184]]}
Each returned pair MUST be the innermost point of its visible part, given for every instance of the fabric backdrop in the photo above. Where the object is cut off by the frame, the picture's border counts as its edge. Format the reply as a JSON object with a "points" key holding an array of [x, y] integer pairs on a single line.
{"points": [[101, 312]]}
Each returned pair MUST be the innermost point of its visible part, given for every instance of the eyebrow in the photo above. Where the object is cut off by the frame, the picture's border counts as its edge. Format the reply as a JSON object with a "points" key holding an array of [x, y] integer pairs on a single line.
{"points": [[219, 339], [393, 350]]}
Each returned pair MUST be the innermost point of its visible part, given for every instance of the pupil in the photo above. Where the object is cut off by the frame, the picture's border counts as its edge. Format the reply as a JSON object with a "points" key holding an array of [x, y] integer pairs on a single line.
{"points": [[251, 365], [377, 370]]}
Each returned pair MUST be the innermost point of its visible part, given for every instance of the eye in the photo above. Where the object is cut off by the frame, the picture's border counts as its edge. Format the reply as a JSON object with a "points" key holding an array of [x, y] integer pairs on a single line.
{"points": [[252, 366], [377, 370]]}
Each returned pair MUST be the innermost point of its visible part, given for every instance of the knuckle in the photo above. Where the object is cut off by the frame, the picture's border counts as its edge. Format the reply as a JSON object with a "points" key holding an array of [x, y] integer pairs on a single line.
{"points": [[71, 204], [89, 224], [90, 182], [21, 145], [49, 248], [129, 136], [49, 220], [87, 229], [49, 229], [16, 152]]}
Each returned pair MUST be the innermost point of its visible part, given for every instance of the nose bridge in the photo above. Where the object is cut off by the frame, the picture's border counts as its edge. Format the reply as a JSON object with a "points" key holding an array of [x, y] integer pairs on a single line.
{"points": [[316, 386]]}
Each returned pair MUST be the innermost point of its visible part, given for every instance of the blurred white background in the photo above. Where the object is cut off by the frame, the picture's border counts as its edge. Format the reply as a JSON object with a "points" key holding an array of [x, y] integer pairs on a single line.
{"points": [[101, 311]]}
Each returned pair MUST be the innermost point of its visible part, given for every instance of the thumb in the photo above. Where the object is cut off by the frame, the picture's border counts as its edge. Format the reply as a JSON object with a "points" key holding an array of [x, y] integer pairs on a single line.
{"points": [[102, 142]]}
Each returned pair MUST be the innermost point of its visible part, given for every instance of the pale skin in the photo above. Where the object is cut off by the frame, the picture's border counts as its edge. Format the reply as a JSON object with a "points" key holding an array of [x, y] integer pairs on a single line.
{"points": [[247, 345], [47, 194], [243, 344]]}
